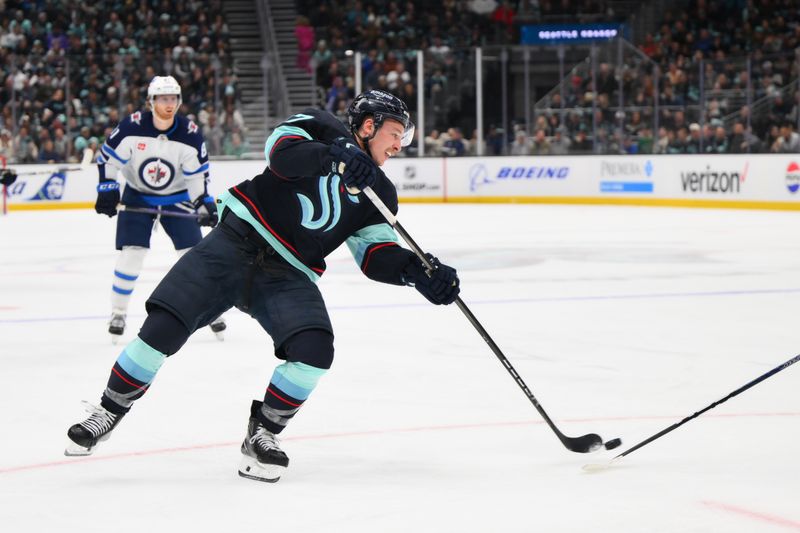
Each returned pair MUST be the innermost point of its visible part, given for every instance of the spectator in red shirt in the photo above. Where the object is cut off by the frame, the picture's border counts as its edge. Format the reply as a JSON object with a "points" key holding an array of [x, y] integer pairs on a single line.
{"points": [[504, 13]]}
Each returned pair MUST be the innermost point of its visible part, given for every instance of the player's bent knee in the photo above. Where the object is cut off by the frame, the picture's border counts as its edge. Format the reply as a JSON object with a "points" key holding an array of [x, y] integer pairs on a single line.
{"points": [[313, 347], [163, 331]]}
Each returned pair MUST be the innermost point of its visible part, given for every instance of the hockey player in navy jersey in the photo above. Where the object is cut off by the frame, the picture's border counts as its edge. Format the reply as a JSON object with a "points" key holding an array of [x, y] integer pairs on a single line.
{"points": [[265, 257], [162, 158]]}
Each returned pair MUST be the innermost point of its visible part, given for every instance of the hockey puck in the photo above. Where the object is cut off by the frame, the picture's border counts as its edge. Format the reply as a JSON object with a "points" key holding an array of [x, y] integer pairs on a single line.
{"points": [[613, 443]]}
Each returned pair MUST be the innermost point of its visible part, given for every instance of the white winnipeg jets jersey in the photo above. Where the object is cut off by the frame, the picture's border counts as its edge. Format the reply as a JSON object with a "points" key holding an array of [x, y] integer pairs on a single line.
{"points": [[165, 167]]}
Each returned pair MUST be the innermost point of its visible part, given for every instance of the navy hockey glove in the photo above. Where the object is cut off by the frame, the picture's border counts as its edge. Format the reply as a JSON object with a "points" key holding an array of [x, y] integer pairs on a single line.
{"points": [[8, 177], [440, 285], [359, 169], [206, 209], [107, 198]]}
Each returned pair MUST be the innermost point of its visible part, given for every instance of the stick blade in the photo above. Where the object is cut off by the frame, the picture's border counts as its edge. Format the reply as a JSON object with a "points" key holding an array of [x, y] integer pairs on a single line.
{"points": [[585, 444]]}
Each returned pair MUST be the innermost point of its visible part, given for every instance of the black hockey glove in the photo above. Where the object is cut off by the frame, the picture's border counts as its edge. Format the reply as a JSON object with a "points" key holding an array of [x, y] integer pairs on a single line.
{"points": [[440, 285], [359, 169], [206, 209], [8, 177], [107, 198]]}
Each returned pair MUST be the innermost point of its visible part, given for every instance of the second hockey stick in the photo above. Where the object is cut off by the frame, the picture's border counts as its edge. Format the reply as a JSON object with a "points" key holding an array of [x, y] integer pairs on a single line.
{"points": [[150, 211], [583, 444], [759, 379]]}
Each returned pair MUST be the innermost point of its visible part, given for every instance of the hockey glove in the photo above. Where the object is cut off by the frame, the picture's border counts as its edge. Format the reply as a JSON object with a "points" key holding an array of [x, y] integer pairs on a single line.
{"points": [[206, 210], [107, 198], [8, 177], [440, 285], [357, 169]]}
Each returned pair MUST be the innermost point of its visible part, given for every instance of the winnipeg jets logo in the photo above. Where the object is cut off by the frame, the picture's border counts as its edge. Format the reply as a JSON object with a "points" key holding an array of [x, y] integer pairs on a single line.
{"points": [[136, 118], [192, 127], [156, 173]]}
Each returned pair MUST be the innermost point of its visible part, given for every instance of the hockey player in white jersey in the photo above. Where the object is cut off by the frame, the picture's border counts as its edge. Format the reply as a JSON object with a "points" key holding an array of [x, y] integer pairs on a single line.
{"points": [[163, 160]]}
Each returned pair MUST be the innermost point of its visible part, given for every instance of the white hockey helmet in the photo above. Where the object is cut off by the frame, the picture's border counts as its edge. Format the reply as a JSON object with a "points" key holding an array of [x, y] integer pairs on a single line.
{"points": [[163, 85]]}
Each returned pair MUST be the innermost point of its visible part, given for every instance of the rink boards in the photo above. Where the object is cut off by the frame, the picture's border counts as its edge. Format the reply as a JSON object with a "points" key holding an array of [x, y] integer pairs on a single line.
{"points": [[763, 181]]}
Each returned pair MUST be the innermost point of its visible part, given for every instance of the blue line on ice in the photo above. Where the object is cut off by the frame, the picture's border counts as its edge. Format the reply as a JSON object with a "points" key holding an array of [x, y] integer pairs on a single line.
{"points": [[642, 296]]}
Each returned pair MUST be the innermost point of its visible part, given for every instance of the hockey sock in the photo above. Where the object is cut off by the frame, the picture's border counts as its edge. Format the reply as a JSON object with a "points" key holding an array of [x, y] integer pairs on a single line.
{"points": [[290, 386], [126, 272], [131, 376]]}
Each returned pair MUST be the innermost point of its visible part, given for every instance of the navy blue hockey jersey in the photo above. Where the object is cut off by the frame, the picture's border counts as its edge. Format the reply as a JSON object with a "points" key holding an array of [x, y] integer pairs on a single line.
{"points": [[304, 211]]}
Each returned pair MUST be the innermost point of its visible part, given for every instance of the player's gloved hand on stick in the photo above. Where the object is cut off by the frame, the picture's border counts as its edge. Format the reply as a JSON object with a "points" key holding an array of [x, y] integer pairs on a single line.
{"points": [[441, 287], [206, 208], [8, 176], [359, 169], [107, 198]]}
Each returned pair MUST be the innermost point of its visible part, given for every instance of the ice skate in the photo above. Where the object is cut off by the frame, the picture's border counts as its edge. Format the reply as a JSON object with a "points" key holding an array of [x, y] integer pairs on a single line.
{"points": [[116, 326], [262, 457], [85, 435], [218, 327]]}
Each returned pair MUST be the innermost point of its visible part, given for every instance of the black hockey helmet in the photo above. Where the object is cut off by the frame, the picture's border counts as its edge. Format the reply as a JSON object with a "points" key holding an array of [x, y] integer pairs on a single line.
{"points": [[380, 105]]}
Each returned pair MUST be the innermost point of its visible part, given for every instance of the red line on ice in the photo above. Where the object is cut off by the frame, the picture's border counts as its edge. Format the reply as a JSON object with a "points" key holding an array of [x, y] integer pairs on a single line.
{"points": [[755, 515], [454, 427]]}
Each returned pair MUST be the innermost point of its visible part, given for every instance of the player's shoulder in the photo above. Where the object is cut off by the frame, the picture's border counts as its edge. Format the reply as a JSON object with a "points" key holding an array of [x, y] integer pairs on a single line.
{"points": [[134, 124], [321, 124], [187, 131]]}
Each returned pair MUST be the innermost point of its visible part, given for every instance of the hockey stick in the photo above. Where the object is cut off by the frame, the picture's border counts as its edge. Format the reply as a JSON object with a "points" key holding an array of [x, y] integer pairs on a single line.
{"points": [[150, 211], [584, 444], [675, 426], [57, 170]]}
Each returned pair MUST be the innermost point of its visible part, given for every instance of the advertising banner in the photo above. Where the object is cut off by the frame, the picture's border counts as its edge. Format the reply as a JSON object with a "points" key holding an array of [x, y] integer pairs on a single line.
{"points": [[517, 177], [417, 178], [764, 181], [51, 186]]}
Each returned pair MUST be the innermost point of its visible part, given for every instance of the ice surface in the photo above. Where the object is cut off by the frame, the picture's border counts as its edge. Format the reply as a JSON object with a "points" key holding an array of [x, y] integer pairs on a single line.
{"points": [[621, 320]]}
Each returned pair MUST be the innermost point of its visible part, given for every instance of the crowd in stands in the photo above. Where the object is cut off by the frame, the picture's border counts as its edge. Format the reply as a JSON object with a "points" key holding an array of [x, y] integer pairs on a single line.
{"points": [[70, 70], [388, 33], [722, 85], [722, 74], [708, 39]]}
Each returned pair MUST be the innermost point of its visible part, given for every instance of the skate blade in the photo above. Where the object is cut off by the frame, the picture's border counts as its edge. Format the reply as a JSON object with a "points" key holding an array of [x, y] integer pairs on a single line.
{"points": [[220, 336], [250, 468], [76, 450], [115, 339]]}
